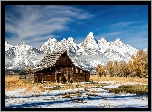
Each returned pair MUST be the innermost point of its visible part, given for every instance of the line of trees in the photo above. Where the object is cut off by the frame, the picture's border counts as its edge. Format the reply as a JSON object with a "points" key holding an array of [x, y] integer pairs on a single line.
{"points": [[137, 66]]}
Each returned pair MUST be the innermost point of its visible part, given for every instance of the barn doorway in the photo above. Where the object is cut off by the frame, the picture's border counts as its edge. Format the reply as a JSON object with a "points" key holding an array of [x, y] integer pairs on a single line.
{"points": [[59, 78], [38, 78], [85, 77]]}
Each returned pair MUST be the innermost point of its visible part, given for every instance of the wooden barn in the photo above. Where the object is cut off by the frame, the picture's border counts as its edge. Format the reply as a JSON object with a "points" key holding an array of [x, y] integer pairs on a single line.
{"points": [[58, 67]]}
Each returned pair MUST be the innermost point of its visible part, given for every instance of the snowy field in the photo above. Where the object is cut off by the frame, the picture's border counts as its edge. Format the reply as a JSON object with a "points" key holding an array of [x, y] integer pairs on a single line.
{"points": [[92, 97]]}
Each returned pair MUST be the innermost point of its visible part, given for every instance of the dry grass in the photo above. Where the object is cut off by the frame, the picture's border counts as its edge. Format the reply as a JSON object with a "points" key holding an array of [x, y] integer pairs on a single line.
{"points": [[134, 89], [119, 80], [13, 82]]}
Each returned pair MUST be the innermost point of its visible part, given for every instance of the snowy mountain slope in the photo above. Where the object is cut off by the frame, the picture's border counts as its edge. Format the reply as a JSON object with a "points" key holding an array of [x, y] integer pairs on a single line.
{"points": [[49, 46], [90, 45], [8, 46], [20, 56], [87, 54]]}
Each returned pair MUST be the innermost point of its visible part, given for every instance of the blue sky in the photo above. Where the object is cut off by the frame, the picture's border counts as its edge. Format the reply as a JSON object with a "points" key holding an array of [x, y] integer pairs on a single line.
{"points": [[34, 25]]}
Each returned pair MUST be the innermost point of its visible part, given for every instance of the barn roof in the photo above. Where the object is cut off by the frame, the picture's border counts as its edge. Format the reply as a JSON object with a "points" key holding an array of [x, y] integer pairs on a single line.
{"points": [[50, 59]]}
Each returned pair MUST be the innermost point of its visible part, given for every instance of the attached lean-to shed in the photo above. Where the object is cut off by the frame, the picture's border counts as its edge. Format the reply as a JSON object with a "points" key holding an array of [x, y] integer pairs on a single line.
{"points": [[58, 67]]}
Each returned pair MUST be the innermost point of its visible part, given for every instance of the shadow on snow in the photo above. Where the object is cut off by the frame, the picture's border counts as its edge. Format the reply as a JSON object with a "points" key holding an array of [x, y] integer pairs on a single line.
{"points": [[48, 103]]}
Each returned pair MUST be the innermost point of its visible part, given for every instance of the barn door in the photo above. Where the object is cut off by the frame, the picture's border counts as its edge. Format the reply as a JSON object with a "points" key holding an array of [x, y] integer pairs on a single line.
{"points": [[59, 77], [86, 77], [39, 78]]}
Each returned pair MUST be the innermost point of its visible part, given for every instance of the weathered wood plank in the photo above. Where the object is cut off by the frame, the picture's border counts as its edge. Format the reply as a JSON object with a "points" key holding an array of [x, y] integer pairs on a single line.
{"points": [[58, 67]]}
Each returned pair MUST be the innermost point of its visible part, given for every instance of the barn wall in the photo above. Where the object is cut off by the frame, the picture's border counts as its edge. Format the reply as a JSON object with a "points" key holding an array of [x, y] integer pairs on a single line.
{"points": [[66, 68], [66, 74], [45, 75], [81, 77], [78, 78], [49, 77]]}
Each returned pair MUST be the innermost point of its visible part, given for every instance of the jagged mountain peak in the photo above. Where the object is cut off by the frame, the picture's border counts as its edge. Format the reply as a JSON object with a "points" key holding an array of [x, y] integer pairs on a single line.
{"points": [[52, 39], [63, 39], [103, 40], [6, 43], [90, 38], [48, 45], [145, 49], [8, 46], [90, 34], [89, 45], [49, 41], [71, 39], [88, 53], [23, 43], [23, 46], [117, 40]]}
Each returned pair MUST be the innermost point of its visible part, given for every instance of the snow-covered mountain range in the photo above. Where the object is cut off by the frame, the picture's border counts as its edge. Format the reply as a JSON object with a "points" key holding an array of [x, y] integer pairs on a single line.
{"points": [[87, 54]]}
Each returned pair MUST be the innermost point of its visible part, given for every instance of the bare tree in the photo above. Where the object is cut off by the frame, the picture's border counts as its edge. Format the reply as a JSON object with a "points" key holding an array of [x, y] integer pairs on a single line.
{"points": [[137, 66], [110, 68], [140, 64], [100, 70]]}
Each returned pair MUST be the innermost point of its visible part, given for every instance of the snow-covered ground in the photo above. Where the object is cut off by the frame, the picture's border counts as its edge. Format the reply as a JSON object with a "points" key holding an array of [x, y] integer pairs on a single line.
{"points": [[92, 97]]}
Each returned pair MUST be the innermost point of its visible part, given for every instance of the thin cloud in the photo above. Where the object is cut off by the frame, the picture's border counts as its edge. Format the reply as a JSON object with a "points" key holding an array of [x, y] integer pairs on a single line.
{"points": [[32, 22], [134, 33], [139, 40], [127, 25], [121, 24], [36, 42]]}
